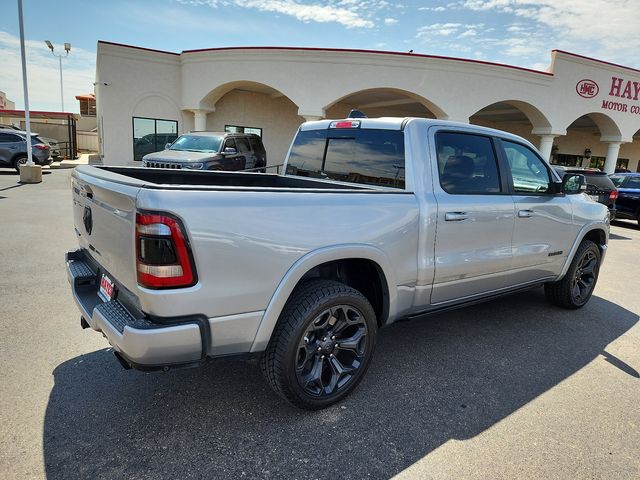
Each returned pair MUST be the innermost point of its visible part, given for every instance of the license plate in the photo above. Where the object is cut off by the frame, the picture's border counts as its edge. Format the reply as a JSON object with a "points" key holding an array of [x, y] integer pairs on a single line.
{"points": [[595, 198], [107, 288]]}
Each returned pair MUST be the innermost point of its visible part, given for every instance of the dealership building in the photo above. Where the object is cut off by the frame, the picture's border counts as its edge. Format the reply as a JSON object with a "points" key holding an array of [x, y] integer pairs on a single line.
{"points": [[580, 111]]}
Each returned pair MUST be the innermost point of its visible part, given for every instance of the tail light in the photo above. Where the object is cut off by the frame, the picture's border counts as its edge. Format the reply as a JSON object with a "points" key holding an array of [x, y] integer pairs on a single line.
{"points": [[41, 146], [163, 253], [613, 195]]}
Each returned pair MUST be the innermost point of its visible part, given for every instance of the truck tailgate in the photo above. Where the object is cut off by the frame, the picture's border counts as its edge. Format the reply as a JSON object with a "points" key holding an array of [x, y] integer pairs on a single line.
{"points": [[104, 218]]}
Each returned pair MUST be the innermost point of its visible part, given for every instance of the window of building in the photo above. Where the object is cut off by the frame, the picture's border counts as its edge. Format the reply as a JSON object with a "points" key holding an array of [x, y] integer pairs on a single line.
{"points": [[240, 129], [88, 107], [529, 173], [467, 164], [151, 135], [367, 156]]}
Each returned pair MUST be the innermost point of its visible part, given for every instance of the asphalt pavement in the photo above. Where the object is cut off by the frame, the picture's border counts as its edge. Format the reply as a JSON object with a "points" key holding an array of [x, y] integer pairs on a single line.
{"points": [[513, 388]]}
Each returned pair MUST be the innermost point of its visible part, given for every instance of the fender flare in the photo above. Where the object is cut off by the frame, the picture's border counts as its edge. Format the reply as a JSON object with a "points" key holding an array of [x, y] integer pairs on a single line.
{"points": [[306, 263], [589, 227]]}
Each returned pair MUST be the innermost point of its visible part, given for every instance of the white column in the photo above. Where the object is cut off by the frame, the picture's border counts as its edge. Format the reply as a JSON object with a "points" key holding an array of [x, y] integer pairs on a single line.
{"points": [[311, 118], [200, 120], [546, 143], [612, 157]]}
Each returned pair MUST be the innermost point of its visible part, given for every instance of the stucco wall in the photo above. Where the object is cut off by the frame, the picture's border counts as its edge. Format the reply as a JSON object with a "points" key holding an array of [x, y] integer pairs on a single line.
{"points": [[278, 118], [313, 82]]}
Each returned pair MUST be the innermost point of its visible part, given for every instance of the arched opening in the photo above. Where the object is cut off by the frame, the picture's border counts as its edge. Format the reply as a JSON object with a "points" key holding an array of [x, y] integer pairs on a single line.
{"points": [[513, 116], [582, 146], [251, 107], [384, 102]]}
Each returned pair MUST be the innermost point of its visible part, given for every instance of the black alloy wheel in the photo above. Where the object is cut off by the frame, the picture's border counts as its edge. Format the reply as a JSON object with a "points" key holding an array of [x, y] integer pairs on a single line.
{"points": [[576, 287], [322, 344], [331, 350]]}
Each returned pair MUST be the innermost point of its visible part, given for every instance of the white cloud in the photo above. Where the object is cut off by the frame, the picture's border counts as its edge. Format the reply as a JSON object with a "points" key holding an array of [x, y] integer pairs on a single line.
{"points": [[605, 28], [390, 21], [459, 30], [44, 75], [433, 9], [346, 12]]}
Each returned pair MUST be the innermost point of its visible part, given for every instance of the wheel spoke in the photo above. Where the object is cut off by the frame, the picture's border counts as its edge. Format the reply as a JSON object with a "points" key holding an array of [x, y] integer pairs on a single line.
{"points": [[589, 266], [576, 290], [338, 371], [315, 375], [352, 343]]}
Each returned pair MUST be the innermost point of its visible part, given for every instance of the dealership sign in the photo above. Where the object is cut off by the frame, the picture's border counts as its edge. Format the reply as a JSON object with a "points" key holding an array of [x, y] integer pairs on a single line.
{"points": [[620, 89]]}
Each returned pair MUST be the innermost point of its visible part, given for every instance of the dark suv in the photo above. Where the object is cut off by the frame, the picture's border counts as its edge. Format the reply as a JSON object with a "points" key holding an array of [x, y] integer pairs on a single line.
{"points": [[599, 186], [211, 151], [13, 149]]}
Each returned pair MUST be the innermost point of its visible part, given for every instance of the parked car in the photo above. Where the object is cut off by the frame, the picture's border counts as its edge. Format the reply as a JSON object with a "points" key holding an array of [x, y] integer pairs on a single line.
{"points": [[13, 149], [599, 186], [54, 149], [211, 151], [628, 204], [374, 221]]}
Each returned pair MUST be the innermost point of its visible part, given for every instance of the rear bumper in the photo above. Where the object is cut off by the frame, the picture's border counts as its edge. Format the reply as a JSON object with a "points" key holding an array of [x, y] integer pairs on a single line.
{"points": [[140, 341]]}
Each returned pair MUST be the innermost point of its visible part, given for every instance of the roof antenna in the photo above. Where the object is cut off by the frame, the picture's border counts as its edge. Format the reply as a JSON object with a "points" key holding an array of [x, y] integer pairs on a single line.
{"points": [[356, 114]]}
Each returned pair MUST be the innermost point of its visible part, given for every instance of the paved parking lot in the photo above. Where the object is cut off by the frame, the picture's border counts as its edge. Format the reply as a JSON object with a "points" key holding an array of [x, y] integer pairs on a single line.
{"points": [[513, 388]]}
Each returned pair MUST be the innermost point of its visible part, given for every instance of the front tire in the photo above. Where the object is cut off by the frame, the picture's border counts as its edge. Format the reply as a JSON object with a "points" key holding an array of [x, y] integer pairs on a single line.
{"points": [[322, 344], [576, 288]]}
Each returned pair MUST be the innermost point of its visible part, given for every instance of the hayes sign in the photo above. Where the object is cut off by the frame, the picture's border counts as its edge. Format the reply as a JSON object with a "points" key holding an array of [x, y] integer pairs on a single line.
{"points": [[620, 88], [587, 88]]}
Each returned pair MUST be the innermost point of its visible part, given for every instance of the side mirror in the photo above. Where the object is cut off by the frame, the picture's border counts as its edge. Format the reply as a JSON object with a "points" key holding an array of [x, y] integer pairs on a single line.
{"points": [[229, 151], [166, 147], [574, 183]]}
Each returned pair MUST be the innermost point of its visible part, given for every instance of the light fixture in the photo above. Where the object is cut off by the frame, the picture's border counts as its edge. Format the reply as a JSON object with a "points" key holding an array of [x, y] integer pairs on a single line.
{"points": [[67, 47], [49, 44], [587, 152]]}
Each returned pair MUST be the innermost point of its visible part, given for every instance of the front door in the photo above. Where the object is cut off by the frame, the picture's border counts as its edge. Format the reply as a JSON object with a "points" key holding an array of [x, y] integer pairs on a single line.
{"points": [[475, 218], [542, 235]]}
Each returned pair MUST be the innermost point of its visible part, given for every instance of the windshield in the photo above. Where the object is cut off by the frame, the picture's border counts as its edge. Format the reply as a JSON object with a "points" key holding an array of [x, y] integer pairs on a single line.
{"points": [[197, 143]]}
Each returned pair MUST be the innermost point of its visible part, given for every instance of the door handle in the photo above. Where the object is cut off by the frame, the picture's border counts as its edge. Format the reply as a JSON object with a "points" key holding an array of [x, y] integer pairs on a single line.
{"points": [[525, 213], [455, 216]]}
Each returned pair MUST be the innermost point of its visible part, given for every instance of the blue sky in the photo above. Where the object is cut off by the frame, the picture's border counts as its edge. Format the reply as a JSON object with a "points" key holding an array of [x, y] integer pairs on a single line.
{"points": [[516, 32]]}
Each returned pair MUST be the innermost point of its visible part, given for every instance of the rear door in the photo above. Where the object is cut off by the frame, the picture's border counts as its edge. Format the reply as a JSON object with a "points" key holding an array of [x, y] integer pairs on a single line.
{"points": [[628, 201], [544, 230], [246, 158], [475, 218], [10, 144]]}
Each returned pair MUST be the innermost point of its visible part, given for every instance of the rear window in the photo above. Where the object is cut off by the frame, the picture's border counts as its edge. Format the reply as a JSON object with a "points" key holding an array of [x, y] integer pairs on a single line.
{"points": [[366, 156]]}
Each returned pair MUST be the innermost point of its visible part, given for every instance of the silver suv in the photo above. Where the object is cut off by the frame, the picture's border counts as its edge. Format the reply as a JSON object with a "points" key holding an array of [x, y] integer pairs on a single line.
{"points": [[13, 149], [211, 151]]}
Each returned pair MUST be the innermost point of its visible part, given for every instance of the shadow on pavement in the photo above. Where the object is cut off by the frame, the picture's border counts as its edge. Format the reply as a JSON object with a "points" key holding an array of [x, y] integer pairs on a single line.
{"points": [[449, 376]]}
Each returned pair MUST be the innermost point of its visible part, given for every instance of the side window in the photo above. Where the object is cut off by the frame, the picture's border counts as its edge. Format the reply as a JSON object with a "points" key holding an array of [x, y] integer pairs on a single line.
{"points": [[255, 145], [9, 138], [633, 182], [229, 143], [467, 164], [529, 173], [243, 145]]}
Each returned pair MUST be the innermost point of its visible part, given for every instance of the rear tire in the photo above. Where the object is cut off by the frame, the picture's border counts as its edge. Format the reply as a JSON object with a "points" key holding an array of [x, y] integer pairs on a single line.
{"points": [[321, 346], [576, 287], [19, 161]]}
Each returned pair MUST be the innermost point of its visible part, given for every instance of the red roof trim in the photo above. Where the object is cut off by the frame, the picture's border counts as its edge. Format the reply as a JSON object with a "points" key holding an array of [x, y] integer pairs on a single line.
{"points": [[596, 60], [137, 48], [348, 50], [38, 112]]}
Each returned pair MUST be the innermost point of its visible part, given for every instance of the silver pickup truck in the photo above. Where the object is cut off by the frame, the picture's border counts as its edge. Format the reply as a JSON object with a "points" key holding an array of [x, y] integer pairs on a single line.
{"points": [[374, 220]]}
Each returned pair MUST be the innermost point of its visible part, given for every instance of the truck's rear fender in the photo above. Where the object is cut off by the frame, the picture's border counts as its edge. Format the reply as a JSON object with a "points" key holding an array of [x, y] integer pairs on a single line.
{"points": [[312, 263]]}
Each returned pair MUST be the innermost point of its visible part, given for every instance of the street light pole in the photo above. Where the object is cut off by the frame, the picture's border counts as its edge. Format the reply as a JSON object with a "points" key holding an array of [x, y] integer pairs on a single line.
{"points": [[24, 85], [67, 48]]}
